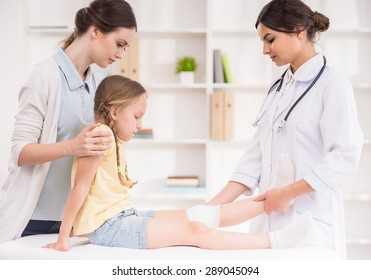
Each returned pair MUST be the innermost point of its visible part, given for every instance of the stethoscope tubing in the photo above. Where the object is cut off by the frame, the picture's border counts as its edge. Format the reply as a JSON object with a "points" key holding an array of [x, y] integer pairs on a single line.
{"points": [[279, 82]]}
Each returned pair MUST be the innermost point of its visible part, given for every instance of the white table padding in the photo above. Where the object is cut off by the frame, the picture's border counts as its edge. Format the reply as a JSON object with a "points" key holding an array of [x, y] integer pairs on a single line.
{"points": [[29, 248]]}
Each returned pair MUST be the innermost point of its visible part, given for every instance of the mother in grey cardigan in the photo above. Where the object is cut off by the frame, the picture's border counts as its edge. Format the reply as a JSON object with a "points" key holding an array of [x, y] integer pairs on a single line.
{"points": [[54, 121]]}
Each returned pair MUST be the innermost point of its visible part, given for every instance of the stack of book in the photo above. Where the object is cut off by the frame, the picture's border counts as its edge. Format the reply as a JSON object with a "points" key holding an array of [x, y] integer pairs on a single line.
{"points": [[182, 183], [144, 133]]}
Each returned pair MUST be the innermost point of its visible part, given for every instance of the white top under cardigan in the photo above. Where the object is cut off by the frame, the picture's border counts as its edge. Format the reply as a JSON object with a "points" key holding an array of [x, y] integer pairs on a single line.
{"points": [[38, 111]]}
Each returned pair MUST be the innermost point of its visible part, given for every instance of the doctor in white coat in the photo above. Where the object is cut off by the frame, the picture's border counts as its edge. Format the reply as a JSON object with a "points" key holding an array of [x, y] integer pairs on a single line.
{"points": [[307, 127]]}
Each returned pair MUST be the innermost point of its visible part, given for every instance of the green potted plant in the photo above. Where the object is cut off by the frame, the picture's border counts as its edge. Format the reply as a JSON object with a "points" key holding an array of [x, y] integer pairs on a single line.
{"points": [[186, 67]]}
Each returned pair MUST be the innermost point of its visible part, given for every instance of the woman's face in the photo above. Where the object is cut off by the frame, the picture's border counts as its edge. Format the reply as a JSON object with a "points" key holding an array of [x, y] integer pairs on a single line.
{"points": [[129, 119], [282, 48], [107, 48]]}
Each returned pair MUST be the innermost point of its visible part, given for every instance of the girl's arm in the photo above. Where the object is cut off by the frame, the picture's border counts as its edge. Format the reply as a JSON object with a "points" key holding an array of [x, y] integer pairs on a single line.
{"points": [[86, 143], [86, 170]]}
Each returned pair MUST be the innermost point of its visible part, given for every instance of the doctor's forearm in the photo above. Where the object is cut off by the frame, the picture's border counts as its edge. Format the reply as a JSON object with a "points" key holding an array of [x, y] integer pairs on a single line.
{"points": [[228, 194], [298, 188]]}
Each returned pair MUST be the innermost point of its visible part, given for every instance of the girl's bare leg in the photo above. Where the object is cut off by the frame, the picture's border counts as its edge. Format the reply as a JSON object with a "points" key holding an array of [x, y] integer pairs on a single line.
{"points": [[240, 211], [177, 214], [166, 233]]}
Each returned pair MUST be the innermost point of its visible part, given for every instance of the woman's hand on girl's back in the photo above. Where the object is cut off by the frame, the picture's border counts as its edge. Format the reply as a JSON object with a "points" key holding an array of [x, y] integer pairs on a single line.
{"points": [[91, 143]]}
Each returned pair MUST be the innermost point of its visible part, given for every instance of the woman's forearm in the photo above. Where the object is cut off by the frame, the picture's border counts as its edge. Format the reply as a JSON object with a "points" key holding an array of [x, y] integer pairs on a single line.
{"points": [[86, 143], [298, 188], [33, 153], [228, 194]]}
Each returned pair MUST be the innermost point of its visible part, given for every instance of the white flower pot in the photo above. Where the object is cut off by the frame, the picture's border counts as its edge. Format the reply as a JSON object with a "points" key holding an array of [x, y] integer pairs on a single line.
{"points": [[187, 77]]}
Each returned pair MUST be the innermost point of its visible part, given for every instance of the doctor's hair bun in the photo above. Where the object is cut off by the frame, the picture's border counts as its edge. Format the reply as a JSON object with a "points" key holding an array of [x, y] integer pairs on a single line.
{"points": [[292, 16], [320, 22]]}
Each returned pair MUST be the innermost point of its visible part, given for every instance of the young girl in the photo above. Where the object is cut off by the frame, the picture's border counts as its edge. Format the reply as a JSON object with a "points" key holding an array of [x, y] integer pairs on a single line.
{"points": [[99, 207]]}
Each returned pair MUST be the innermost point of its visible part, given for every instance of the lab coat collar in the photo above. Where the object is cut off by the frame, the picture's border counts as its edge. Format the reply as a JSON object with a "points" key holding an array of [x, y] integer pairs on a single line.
{"points": [[69, 70], [309, 69], [306, 73]]}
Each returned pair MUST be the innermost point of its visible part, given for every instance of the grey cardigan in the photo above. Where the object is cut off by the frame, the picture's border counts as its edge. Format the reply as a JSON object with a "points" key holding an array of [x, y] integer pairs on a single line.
{"points": [[35, 122]]}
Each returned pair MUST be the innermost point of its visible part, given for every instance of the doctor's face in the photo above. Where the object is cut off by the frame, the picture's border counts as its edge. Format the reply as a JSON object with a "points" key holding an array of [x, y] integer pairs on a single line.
{"points": [[282, 48]]}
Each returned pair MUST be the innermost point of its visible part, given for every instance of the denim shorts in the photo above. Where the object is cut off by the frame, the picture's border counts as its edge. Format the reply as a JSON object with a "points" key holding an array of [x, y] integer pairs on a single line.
{"points": [[127, 229]]}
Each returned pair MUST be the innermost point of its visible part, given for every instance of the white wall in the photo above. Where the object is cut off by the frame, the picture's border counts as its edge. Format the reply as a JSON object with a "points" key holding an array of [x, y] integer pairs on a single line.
{"points": [[12, 74]]}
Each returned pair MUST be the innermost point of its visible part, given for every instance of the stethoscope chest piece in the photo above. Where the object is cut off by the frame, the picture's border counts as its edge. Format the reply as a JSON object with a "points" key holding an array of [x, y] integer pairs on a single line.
{"points": [[281, 126]]}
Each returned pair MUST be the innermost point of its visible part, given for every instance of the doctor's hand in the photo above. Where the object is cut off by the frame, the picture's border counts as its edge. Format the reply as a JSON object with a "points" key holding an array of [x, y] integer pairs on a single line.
{"points": [[276, 200]]}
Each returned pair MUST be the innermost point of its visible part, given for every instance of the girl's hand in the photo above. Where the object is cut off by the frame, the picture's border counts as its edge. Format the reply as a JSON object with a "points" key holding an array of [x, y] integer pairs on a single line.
{"points": [[61, 245], [91, 143], [276, 200]]}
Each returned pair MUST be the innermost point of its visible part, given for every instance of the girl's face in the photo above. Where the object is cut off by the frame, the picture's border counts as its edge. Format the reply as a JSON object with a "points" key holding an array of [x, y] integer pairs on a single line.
{"points": [[282, 48], [129, 119], [107, 48]]}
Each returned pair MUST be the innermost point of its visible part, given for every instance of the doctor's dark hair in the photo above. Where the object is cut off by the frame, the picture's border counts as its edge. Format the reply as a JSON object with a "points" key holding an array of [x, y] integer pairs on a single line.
{"points": [[106, 15], [119, 91], [292, 16]]}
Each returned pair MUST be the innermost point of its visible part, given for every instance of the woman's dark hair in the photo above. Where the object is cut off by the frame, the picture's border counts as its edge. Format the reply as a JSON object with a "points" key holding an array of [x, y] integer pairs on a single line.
{"points": [[106, 15], [292, 16]]}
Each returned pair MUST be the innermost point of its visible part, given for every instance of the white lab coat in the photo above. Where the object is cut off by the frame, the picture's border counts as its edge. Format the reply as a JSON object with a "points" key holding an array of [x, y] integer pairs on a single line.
{"points": [[323, 139]]}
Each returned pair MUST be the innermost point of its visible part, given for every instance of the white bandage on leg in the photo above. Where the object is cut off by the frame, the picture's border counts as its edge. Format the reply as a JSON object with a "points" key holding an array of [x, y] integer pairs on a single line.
{"points": [[205, 214]]}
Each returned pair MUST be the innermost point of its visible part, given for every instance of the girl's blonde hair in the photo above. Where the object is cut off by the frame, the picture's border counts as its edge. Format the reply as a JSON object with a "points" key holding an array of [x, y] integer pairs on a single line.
{"points": [[117, 91]]}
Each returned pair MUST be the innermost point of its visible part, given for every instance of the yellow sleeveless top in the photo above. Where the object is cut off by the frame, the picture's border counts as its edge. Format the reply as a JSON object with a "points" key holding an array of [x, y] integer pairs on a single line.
{"points": [[106, 198]]}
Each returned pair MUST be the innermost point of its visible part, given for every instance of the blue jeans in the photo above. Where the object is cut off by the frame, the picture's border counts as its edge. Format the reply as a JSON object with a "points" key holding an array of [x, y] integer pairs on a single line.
{"points": [[127, 229], [41, 227]]}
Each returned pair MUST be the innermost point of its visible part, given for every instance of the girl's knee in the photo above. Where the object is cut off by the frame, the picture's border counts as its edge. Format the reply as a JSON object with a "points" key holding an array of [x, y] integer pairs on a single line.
{"points": [[198, 232], [201, 235], [197, 228]]}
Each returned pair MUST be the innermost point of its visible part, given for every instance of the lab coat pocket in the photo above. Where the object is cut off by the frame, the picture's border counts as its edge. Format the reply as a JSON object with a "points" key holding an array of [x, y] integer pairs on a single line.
{"points": [[320, 205], [319, 235]]}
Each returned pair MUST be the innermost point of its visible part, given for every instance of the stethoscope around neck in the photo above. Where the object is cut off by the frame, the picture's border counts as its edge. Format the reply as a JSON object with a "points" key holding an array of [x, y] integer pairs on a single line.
{"points": [[279, 83]]}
